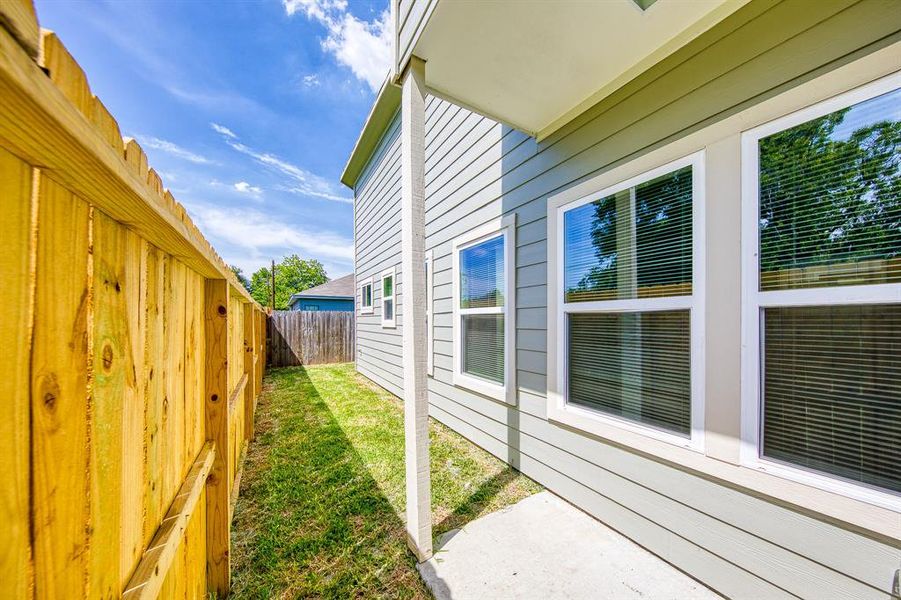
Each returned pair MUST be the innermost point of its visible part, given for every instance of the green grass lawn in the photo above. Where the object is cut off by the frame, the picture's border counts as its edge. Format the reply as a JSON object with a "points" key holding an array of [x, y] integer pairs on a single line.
{"points": [[322, 494]]}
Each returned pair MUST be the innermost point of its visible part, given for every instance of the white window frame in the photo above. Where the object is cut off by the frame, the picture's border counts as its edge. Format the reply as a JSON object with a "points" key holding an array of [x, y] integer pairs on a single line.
{"points": [[429, 299], [504, 226], [754, 301], [364, 309], [597, 422], [392, 322]]}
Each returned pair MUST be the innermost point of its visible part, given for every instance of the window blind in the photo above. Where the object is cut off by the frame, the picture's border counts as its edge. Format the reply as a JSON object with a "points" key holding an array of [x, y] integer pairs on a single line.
{"points": [[636, 243], [388, 298], [830, 216], [632, 365], [830, 199], [483, 346], [481, 309], [832, 390], [482, 274]]}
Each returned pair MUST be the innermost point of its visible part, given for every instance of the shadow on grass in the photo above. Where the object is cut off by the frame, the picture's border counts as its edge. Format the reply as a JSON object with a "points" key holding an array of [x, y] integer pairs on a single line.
{"points": [[477, 502], [311, 521]]}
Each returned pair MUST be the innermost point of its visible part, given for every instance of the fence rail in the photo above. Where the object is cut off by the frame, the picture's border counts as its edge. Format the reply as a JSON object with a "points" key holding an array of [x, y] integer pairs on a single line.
{"points": [[310, 337], [133, 355]]}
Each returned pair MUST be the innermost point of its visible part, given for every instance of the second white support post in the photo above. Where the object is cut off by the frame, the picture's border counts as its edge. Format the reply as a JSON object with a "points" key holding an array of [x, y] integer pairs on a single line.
{"points": [[415, 357]]}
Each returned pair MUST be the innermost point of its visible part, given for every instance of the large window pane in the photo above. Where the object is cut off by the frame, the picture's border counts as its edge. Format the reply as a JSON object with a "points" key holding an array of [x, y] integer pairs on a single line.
{"points": [[830, 199], [482, 274], [483, 347], [388, 286], [832, 390], [633, 365], [388, 309], [633, 244]]}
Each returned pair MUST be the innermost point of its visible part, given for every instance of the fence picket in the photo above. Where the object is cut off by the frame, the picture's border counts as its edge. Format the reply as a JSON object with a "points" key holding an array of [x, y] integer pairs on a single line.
{"points": [[310, 337]]}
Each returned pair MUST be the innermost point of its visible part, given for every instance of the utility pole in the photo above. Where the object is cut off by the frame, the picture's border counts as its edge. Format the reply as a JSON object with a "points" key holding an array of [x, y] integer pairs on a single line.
{"points": [[273, 285]]}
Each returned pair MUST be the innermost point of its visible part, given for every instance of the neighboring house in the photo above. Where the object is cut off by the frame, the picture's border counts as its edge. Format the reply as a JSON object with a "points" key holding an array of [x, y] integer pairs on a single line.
{"points": [[662, 270], [337, 294]]}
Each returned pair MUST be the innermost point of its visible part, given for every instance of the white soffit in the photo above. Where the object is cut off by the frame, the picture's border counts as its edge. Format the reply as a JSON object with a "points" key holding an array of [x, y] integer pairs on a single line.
{"points": [[536, 64]]}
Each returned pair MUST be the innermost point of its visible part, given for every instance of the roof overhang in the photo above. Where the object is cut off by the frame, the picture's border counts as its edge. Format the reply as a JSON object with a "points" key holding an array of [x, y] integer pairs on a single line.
{"points": [[537, 65], [387, 102], [532, 65]]}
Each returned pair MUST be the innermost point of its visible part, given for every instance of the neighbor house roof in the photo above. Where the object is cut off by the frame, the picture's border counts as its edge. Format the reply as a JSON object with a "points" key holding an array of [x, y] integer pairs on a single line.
{"points": [[343, 287]]}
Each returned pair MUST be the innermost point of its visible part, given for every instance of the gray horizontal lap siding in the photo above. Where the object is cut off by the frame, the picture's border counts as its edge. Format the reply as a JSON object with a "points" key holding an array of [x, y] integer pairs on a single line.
{"points": [[377, 248], [476, 169]]}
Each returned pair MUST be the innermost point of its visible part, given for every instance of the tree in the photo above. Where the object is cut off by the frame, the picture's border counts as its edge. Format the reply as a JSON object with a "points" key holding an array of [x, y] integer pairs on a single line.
{"points": [[241, 277], [292, 275]]}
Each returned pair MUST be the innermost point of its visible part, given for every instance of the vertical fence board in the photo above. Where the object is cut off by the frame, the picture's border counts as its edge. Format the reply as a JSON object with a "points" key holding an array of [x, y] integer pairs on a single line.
{"points": [[133, 464], [175, 457], [216, 332], [248, 371], [111, 391], [194, 424], [15, 438], [61, 393], [153, 390]]}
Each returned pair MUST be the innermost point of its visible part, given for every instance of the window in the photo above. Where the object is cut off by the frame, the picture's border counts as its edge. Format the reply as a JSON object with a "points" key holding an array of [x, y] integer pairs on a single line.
{"points": [[630, 314], [312, 307], [366, 297], [822, 202], [388, 306], [428, 313], [484, 311]]}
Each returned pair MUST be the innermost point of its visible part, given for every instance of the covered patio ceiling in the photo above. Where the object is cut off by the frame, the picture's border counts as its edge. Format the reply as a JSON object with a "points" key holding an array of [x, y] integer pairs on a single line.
{"points": [[536, 65]]}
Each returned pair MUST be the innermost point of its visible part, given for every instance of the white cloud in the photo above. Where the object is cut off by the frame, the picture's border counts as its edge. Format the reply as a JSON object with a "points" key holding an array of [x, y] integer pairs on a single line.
{"points": [[261, 236], [362, 46], [223, 130], [311, 80], [251, 190], [173, 149], [303, 182]]}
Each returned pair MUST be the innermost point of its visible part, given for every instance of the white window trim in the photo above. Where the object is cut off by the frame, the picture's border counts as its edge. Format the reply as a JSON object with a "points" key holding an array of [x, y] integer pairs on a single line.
{"points": [[754, 300], [505, 226], [429, 300], [388, 323], [596, 422], [367, 310]]}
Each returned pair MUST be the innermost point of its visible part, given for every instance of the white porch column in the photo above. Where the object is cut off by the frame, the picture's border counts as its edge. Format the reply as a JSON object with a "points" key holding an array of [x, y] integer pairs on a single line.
{"points": [[415, 357]]}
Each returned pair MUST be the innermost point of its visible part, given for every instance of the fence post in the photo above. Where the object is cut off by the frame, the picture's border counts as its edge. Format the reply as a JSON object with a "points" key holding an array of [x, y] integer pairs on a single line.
{"points": [[250, 386], [216, 403]]}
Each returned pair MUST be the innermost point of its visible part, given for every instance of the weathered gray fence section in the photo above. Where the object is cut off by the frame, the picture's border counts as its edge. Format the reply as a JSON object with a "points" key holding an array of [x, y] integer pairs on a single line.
{"points": [[300, 337]]}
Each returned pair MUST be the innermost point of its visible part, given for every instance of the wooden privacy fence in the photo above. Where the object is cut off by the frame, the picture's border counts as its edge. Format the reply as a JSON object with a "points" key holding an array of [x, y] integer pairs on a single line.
{"points": [[132, 356], [300, 337]]}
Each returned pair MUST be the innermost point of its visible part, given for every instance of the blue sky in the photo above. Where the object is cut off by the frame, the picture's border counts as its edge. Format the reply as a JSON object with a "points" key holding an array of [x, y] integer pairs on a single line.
{"points": [[248, 109]]}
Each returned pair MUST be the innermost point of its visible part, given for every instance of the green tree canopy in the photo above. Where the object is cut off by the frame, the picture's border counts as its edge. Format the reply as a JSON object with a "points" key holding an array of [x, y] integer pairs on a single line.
{"points": [[293, 274], [241, 276]]}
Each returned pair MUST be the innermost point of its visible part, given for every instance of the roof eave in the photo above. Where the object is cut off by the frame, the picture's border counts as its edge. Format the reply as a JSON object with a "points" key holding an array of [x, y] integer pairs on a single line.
{"points": [[386, 104]]}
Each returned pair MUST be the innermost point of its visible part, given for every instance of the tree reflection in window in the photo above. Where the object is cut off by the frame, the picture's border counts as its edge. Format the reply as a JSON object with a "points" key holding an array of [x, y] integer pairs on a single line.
{"points": [[830, 199], [636, 243]]}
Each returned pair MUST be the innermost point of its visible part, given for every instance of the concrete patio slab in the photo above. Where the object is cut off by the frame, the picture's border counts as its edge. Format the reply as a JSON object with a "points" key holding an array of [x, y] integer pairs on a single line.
{"points": [[543, 547]]}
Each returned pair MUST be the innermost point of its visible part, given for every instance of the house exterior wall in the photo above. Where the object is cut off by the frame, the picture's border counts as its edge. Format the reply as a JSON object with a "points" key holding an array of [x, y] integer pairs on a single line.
{"points": [[340, 304], [377, 248], [769, 59]]}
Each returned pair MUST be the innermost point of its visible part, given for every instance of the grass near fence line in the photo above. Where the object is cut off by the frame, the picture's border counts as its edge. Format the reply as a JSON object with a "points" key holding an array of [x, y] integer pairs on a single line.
{"points": [[322, 494]]}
